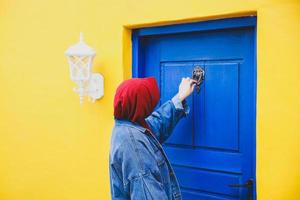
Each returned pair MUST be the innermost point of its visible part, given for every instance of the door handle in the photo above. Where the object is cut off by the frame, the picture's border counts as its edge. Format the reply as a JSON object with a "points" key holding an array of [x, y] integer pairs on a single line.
{"points": [[248, 185], [198, 75]]}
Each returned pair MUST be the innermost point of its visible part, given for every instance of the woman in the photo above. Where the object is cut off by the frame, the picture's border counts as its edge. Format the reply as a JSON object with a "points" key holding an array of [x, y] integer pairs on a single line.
{"points": [[139, 168]]}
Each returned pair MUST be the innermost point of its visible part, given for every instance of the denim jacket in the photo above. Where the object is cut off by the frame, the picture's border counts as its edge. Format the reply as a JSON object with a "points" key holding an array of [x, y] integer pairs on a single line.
{"points": [[139, 168]]}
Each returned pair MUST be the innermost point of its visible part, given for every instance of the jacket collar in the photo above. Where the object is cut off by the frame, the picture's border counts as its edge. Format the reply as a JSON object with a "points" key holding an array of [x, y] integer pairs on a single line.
{"points": [[130, 124]]}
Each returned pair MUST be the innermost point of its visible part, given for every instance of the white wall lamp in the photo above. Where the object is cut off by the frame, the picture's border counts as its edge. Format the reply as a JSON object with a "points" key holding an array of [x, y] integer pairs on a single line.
{"points": [[80, 57]]}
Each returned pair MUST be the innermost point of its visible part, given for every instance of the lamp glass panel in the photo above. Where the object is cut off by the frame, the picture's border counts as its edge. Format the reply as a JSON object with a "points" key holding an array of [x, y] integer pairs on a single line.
{"points": [[80, 67]]}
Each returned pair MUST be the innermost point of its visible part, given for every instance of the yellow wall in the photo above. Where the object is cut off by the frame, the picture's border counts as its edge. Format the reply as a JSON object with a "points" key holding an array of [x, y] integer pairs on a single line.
{"points": [[51, 148]]}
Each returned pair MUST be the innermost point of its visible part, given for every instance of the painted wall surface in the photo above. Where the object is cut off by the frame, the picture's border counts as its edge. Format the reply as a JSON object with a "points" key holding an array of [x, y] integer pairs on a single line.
{"points": [[51, 148]]}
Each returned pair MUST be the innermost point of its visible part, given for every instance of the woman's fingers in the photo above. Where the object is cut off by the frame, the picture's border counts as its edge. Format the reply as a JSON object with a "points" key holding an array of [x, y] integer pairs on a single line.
{"points": [[188, 80], [193, 82], [186, 87]]}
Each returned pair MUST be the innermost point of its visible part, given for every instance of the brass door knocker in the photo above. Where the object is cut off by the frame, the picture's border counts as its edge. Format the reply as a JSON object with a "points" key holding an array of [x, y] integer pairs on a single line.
{"points": [[198, 75]]}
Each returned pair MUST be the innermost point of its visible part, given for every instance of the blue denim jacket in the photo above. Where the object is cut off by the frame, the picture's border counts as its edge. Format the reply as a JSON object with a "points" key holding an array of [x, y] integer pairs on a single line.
{"points": [[138, 166]]}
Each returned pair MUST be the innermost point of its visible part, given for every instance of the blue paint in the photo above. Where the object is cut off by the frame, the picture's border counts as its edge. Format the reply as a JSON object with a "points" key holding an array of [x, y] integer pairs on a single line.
{"points": [[215, 145]]}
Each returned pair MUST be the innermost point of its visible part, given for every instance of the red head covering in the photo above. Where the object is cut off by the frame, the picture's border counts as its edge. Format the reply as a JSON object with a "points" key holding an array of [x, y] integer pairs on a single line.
{"points": [[135, 99]]}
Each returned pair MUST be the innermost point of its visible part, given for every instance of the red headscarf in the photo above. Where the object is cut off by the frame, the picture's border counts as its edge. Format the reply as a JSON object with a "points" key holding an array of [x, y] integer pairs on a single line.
{"points": [[135, 99]]}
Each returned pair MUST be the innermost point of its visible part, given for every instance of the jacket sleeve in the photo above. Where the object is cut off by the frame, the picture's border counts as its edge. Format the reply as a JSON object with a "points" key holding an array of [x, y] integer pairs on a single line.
{"points": [[163, 120]]}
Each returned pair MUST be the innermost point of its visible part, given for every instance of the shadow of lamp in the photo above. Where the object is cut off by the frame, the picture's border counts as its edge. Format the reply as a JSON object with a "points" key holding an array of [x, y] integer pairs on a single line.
{"points": [[80, 57]]}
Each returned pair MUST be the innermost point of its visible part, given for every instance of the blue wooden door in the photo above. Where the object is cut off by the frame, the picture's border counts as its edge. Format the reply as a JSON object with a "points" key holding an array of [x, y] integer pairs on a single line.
{"points": [[213, 148]]}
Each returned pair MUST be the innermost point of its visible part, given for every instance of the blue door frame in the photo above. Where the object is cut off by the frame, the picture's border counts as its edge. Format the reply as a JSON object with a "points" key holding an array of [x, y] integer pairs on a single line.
{"points": [[220, 24]]}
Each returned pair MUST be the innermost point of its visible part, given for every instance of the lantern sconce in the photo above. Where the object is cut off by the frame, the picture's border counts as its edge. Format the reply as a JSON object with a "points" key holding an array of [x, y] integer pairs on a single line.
{"points": [[80, 57]]}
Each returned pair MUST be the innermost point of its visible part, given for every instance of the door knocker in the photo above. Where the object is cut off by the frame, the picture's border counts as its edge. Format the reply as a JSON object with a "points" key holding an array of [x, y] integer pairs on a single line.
{"points": [[198, 75]]}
